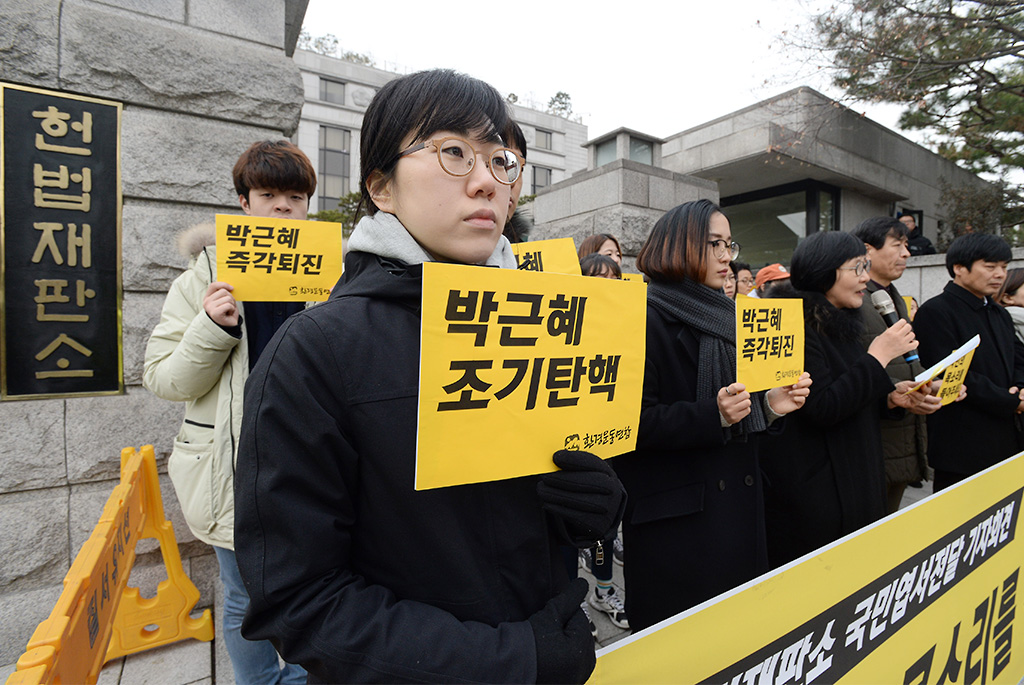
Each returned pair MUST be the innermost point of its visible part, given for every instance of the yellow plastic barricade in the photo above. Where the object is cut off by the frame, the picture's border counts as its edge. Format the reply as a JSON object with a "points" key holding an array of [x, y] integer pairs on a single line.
{"points": [[98, 617]]}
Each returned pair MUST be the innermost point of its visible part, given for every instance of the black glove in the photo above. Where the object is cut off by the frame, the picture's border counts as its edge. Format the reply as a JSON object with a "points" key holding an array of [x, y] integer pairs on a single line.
{"points": [[561, 632], [585, 497]]}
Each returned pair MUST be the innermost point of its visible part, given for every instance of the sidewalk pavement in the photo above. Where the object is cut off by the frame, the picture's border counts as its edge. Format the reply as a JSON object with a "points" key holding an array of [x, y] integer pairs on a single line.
{"points": [[206, 663]]}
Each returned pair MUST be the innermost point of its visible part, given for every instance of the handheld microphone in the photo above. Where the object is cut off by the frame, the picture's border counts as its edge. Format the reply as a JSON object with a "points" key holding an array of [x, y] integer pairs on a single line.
{"points": [[883, 305]]}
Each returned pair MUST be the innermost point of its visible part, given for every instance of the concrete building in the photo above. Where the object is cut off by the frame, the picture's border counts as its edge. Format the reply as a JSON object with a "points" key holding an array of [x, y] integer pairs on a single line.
{"points": [[801, 162], [184, 71], [781, 169], [336, 94]]}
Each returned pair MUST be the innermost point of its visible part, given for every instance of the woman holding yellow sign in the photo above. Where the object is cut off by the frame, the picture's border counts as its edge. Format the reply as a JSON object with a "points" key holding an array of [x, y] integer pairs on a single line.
{"points": [[694, 524], [826, 476], [354, 573]]}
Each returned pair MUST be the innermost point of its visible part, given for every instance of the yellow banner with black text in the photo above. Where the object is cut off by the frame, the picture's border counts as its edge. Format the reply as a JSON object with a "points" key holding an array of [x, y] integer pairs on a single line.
{"points": [[925, 596]]}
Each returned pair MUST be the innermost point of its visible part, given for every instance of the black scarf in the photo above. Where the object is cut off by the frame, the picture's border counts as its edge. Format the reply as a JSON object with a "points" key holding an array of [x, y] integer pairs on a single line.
{"points": [[713, 316]]}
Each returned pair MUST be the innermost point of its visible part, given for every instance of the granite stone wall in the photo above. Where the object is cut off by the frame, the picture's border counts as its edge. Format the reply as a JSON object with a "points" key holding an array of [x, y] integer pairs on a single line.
{"points": [[200, 80]]}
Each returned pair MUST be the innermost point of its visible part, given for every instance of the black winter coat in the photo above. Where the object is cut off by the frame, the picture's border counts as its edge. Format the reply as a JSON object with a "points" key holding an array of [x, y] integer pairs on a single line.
{"points": [[694, 523], [824, 474], [918, 244], [969, 436], [350, 571]]}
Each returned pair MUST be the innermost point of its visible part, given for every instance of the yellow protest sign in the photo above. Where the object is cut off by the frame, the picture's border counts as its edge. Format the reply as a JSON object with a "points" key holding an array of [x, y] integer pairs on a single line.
{"points": [[769, 342], [516, 365], [952, 358], [925, 596], [557, 255], [638, 278], [953, 379], [907, 301], [278, 260]]}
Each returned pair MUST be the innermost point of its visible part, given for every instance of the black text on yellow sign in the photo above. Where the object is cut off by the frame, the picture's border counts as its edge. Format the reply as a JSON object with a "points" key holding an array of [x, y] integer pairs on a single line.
{"points": [[557, 255], [278, 260], [926, 596], [516, 365], [769, 342]]}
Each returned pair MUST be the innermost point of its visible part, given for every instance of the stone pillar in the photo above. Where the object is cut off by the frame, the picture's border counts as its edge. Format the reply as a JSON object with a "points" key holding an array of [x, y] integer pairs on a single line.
{"points": [[200, 81]]}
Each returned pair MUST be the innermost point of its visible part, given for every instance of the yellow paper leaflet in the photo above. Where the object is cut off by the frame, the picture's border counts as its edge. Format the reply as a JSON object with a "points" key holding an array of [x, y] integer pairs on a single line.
{"points": [[516, 365], [953, 379], [557, 255], [278, 260], [953, 357], [925, 596], [769, 342]]}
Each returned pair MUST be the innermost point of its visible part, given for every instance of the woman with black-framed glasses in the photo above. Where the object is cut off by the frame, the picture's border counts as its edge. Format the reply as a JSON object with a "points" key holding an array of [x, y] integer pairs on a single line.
{"points": [[352, 571], [694, 523], [825, 474]]}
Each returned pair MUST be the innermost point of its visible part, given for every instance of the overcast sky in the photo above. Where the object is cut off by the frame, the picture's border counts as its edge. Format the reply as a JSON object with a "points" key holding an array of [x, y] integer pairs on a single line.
{"points": [[657, 67]]}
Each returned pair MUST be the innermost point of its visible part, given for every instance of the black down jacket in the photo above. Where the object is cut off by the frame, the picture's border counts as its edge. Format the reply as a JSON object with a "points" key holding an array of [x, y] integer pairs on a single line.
{"points": [[352, 572]]}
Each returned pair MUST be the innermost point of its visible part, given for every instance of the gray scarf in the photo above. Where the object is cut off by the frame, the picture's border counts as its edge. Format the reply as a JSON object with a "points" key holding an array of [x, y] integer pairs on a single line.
{"points": [[713, 316], [384, 235]]}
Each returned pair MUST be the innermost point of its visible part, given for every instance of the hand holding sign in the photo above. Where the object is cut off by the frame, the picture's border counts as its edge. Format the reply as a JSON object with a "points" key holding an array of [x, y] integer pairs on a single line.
{"points": [[584, 497], [789, 398], [734, 403], [920, 401], [220, 304]]}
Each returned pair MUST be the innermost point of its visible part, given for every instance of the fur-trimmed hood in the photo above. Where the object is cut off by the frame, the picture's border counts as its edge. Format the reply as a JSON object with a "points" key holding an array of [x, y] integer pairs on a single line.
{"points": [[822, 315], [194, 239]]}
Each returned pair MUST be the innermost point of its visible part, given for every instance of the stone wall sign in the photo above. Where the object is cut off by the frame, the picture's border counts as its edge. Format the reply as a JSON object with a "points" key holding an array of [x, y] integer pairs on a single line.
{"points": [[60, 240]]}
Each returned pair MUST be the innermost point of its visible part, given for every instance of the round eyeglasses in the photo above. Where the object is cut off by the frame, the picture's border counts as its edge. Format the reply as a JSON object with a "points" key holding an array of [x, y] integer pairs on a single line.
{"points": [[458, 157], [860, 268], [720, 248]]}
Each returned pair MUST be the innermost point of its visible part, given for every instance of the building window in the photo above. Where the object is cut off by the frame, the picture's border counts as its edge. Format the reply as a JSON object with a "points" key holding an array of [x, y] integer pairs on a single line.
{"points": [[332, 91], [334, 166], [605, 152], [641, 150], [541, 178], [543, 141], [770, 223]]}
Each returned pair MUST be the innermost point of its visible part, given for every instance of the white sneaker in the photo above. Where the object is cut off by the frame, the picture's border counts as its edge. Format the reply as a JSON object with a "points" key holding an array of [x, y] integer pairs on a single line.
{"points": [[611, 605], [586, 612]]}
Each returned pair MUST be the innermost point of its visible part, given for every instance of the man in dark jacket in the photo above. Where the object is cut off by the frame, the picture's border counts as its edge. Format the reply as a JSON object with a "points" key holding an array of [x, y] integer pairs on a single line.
{"points": [[904, 440], [985, 428], [917, 243]]}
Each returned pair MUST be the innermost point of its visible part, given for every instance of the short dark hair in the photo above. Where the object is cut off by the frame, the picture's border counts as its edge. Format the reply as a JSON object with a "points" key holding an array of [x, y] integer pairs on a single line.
{"points": [[592, 244], [598, 265], [275, 165], [967, 249], [875, 230], [737, 267], [418, 105], [677, 248], [515, 139], [1014, 280], [816, 258]]}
